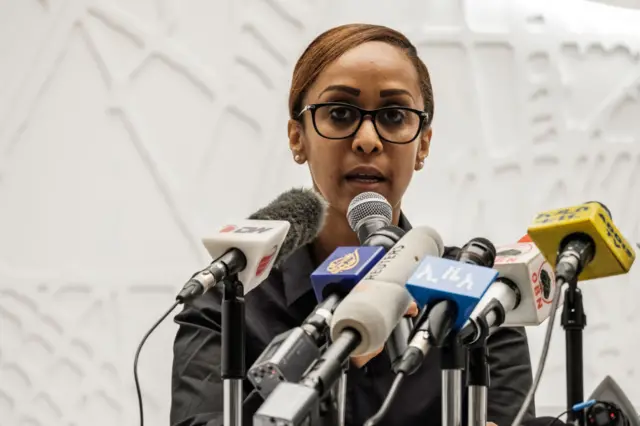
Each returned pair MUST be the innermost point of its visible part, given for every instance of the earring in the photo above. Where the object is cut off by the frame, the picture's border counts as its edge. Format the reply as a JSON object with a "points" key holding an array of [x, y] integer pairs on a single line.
{"points": [[297, 158], [420, 165]]}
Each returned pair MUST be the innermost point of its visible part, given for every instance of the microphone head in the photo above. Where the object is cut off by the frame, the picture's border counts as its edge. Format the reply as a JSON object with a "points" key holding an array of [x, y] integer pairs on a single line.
{"points": [[304, 209], [271, 234], [524, 265], [478, 251], [436, 279], [368, 206], [613, 254], [343, 269]]}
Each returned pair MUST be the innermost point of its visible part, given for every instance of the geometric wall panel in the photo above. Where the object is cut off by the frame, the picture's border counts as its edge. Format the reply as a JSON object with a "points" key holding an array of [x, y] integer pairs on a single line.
{"points": [[119, 119]]}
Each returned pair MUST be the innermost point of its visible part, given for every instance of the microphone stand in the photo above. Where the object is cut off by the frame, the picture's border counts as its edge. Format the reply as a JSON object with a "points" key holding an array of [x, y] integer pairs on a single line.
{"points": [[574, 321], [452, 363], [341, 398], [478, 383], [233, 368]]}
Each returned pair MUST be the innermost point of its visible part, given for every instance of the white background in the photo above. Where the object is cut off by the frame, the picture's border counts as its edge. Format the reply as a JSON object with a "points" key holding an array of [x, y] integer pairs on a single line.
{"points": [[128, 127]]}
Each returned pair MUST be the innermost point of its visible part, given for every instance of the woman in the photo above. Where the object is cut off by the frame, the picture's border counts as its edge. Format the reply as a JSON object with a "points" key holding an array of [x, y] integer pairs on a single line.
{"points": [[360, 106]]}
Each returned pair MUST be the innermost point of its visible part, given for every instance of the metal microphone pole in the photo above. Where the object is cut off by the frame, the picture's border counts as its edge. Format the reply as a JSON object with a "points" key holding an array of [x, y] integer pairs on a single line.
{"points": [[574, 321], [233, 369], [478, 383], [342, 395], [452, 363]]}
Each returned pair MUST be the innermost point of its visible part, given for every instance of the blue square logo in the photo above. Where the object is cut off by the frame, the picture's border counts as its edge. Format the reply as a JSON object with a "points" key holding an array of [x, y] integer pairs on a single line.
{"points": [[437, 279], [343, 269]]}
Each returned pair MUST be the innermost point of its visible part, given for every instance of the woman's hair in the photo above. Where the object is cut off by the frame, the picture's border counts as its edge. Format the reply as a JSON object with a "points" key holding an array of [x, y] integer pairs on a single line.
{"points": [[333, 43]]}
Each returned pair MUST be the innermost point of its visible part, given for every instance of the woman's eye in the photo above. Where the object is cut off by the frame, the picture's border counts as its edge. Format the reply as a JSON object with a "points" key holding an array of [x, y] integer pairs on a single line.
{"points": [[341, 113], [393, 116]]}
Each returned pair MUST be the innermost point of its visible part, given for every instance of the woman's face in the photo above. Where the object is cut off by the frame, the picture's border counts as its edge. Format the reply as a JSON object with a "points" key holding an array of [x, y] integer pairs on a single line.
{"points": [[370, 76]]}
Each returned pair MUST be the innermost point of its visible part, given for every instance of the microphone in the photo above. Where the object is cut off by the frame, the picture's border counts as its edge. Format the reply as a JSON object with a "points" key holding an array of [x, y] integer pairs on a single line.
{"points": [[582, 242], [360, 325], [378, 302], [368, 213], [521, 295], [290, 354], [246, 251], [461, 282], [450, 290], [251, 248]]}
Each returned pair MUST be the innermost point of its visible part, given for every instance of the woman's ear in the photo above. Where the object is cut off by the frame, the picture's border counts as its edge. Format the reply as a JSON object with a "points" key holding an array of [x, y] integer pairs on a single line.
{"points": [[423, 148], [296, 143]]}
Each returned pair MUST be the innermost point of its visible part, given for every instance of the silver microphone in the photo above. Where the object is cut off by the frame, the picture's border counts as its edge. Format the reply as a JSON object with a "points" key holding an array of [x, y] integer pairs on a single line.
{"points": [[369, 212]]}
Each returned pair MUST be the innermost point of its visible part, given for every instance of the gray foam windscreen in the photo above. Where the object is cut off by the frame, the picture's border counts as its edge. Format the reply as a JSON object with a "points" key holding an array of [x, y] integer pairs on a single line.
{"points": [[367, 205], [304, 209]]}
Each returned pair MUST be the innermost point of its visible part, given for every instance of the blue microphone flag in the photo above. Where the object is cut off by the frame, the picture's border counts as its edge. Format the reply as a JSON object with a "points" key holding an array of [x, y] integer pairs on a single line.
{"points": [[343, 269], [437, 279]]}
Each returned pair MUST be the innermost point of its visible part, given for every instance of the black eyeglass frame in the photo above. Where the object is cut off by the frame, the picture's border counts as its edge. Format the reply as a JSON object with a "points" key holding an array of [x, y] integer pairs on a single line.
{"points": [[423, 116]]}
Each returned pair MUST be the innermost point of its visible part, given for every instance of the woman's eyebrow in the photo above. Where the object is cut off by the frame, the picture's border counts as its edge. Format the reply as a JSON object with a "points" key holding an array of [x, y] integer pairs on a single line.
{"points": [[394, 92], [342, 88]]}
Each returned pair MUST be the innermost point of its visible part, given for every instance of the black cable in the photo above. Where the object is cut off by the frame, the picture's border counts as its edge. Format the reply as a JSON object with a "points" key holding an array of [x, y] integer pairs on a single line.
{"points": [[543, 356], [375, 419], [578, 408], [135, 359], [558, 417]]}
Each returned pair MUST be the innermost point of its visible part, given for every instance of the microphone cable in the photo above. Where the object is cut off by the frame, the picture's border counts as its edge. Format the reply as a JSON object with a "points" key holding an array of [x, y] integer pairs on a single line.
{"points": [[386, 404], [556, 419], [560, 283], [576, 408], [135, 359]]}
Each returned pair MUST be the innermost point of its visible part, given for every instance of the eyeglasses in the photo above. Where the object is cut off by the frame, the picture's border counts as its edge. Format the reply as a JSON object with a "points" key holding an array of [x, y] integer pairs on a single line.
{"points": [[337, 120]]}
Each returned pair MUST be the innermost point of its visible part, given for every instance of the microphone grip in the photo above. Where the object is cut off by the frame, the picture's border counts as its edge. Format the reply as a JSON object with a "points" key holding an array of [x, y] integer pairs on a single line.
{"points": [[361, 311], [399, 339], [370, 227]]}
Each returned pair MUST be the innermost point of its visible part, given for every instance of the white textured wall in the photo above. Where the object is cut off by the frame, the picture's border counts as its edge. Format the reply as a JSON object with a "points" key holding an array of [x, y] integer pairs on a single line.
{"points": [[123, 123]]}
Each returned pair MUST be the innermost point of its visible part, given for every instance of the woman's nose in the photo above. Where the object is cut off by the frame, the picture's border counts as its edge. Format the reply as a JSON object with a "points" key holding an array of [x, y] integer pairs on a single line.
{"points": [[366, 139]]}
